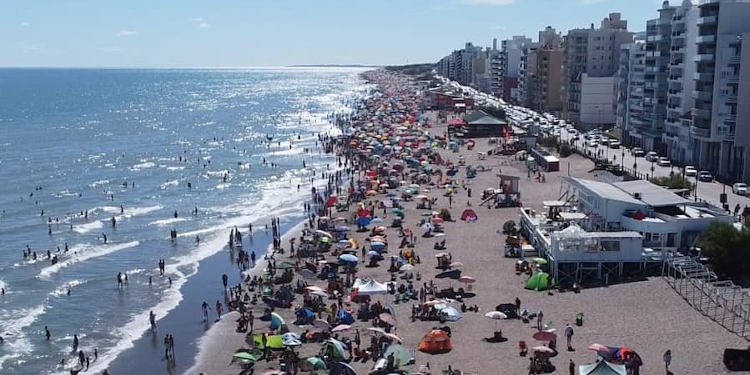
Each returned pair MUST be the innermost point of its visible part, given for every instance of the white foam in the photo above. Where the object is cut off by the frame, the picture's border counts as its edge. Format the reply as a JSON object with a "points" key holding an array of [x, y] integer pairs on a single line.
{"points": [[223, 186], [16, 343], [98, 183], [164, 222], [137, 211], [169, 184], [92, 252], [4, 286], [63, 289], [175, 168], [143, 165], [88, 227]]}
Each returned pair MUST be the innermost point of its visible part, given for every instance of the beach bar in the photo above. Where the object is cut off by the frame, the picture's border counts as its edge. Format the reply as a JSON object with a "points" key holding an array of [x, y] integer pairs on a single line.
{"points": [[602, 231]]}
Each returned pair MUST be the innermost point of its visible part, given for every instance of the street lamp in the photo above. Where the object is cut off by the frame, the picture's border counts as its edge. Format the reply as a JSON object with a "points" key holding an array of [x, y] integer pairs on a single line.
{"points": [[635, 169], [622, 160], [652, 167]]}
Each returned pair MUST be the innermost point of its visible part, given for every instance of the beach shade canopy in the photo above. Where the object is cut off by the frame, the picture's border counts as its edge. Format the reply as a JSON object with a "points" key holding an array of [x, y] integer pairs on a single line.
{"points": [[377, 245], [333, 349], [543, 349], [272, 341], [376, 220], [317, 363], [372, 288], [373, 253], [363, 221], [376, 330], [467, 279], [456, 265], [371, 193], [393, 337], [344, 317], [406, 267], [348, 258], [323, 233], [342, 368], [451, 314], [341, 328], [495, 315], [380, 229], [388, 318], [544, 336], [602, 368], [399, 212], [401, 355], [276, 321], [245, 356], [469, 215], [539, 260], [539, 281], [435, 342], [342, 228]]}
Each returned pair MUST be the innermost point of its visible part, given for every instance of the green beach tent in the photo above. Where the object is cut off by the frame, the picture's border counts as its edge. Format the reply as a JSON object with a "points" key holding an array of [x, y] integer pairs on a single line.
{"points": [[273, 341], [317, 363], [540, 281], [245, 356]]}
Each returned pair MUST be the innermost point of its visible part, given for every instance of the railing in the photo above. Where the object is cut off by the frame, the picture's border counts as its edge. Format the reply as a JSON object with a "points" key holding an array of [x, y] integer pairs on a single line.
{"points": [[721, 300]]}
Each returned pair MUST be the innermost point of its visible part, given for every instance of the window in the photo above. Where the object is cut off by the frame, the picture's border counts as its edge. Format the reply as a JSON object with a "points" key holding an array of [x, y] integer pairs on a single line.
{"points": [[610, 245]]}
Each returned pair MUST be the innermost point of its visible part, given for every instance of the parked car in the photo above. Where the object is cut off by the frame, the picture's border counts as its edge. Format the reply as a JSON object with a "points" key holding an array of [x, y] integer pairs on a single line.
{"points": [[604, 141], [637, 152], [652, 156], [593, 143], [739, 188], [614, 144], [705, 176], [690, 171], [663, 162]]}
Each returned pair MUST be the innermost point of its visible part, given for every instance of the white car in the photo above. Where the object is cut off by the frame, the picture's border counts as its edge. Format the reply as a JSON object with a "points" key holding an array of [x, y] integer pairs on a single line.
{"points": [[739, 188], [614, 144], [592, 143], [637, 152], [690, 171], [652, 156], [663, 162]]}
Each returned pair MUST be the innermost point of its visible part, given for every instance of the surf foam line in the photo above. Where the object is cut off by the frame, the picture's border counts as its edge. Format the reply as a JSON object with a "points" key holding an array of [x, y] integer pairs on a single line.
{"points": [[273, 202], [94, 252]]}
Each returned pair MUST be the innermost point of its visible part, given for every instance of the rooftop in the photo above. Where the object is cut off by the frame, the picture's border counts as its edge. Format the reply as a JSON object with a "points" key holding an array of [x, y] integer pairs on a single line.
{"points": [[651, 194]]}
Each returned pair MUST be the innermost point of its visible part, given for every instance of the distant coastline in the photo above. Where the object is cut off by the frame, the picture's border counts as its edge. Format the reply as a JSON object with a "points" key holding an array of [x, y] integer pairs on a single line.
{"points": [[333, 66]]}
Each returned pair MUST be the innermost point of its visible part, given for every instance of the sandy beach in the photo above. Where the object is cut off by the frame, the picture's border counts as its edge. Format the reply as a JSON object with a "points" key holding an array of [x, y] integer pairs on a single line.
{"points": [[647, 316]]}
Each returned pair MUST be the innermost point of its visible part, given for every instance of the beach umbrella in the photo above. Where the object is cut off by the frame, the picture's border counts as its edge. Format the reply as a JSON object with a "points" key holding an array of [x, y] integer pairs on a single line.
{"points": [[401, 355], [285, 266], [340, 219], [276, 321], [320, 323], [380, 229], [314, 288], [344, 242], [363, 221], [393, 337], [319, 293], [307, 274], [406, 267], [539, 260], [544, 336], [421, 196], [348, 258], [467, 279], [495, 315], [341, 328], [323, 233], [376, 220], [388, 318], [342, 368], [245, 356], [325, 239], [456, 265], [399, 212], [376, 330], [377, 245], [451, 313], [291, 342], [440, 255], [543, 349], [342, 228], [371, 193], [373, 253], [317, 363]]}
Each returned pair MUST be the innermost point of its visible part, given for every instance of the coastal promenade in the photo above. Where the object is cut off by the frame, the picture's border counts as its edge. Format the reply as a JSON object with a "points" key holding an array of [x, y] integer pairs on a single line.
{"points": [[647, 316]]}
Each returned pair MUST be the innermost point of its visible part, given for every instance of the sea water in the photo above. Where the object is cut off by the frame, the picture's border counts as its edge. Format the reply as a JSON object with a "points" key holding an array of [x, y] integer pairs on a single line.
{"points": [[126, 144]]}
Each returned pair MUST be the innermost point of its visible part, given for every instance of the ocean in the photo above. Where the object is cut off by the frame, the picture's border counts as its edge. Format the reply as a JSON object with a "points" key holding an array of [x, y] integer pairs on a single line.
{"points": [[147, 147]]}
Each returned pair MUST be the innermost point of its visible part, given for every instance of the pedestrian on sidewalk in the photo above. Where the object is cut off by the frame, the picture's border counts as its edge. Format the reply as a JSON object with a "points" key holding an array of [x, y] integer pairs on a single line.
{"points": [[667, 360], [569, 336]]}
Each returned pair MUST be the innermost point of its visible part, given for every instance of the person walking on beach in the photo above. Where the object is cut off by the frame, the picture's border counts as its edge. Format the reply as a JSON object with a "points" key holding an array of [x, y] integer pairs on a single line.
{"points": [[152, 320], [75, 342], [46, 333], [539, 317], [166, 346], [571, 367], [518, 306], [204, 306], [252, 257], [569, 336], [225, 281], [218, 309], [667, 360]]}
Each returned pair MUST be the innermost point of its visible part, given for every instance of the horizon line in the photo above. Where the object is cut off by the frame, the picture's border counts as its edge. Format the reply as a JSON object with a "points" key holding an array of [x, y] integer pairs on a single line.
{"points": [[196, 67]]}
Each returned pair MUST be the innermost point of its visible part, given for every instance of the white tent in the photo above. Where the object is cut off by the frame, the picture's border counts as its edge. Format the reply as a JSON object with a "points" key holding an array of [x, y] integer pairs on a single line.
{"points": [[602, 368], [371, 288]]}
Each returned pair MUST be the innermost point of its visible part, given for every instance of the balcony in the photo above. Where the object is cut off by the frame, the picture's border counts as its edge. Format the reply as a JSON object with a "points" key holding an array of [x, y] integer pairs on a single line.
{"points": [[707, 57], [729, 118], [701, 39], [700, 132], [704, 113], [703, 95], [708, 20], [704, 77], [734, 60]]}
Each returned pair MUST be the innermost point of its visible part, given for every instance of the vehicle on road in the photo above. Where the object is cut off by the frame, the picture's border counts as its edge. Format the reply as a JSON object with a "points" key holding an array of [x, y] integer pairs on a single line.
{"points": [[604, 141], [690, 171], [637, 152], [652, 156], [739, 188], [614, 144], [705, 176], [663, 162], [592, 143]]}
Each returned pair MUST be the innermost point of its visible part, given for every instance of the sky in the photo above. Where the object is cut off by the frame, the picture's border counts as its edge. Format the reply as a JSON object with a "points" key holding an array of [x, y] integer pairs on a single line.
{"points": [[243, 33]]}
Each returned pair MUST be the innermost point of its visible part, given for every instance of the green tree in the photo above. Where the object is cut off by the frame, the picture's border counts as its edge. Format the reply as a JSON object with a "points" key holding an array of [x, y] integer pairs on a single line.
{"points": [[728, 250], [673, 182]]}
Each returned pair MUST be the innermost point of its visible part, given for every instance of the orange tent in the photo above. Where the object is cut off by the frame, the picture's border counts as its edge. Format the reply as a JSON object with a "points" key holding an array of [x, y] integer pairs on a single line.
{"points": [[436, 341]]}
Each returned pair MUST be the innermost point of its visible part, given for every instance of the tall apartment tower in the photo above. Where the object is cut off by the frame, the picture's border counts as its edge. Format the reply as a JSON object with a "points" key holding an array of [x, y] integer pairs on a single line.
{"points": [[720, 65], [680, 84], [591, 61], [511, 51], [629, 90]]}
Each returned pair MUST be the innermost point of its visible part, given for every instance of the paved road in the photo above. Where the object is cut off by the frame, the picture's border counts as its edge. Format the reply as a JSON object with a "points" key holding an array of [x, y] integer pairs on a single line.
{"points": [[708, 191]]}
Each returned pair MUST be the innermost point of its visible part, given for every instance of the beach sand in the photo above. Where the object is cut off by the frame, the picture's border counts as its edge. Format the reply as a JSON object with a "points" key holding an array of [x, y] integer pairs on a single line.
{"points": [[647, 316]]}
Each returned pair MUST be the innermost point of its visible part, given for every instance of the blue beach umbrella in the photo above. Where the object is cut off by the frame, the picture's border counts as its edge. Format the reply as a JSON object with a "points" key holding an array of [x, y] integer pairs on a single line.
{"points": [[364, 221], [276, 321], [373, 253], [376, 220], [348, 258], [344, 242], [341, 229], [377, 245]]}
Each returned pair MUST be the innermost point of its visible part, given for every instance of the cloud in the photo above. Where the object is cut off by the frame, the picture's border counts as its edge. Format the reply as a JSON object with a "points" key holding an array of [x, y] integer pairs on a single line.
{"points": [[489, 2], [126, 33], [25, 24], [200, 22]]}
